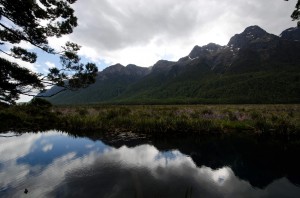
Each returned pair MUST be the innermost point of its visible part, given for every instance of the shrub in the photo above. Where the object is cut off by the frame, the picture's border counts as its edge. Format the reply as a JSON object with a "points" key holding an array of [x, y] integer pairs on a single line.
{"points": [[39, 102], [82, 111]]}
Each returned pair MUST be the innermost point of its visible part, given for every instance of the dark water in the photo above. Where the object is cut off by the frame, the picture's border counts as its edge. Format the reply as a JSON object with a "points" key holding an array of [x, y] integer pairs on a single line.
{"points": [[55, 164]]}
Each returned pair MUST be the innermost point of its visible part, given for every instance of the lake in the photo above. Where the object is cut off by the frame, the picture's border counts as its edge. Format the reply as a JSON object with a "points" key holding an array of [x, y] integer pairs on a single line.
{"points": [[57, 164]]}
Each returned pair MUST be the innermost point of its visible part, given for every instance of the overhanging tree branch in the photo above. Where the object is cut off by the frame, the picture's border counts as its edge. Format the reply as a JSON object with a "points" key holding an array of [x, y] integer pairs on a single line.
{"points": [[25, 17]]}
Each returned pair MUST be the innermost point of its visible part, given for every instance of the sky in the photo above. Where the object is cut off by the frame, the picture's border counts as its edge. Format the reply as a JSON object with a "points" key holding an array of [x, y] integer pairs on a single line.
{"points": [[141, 32]]}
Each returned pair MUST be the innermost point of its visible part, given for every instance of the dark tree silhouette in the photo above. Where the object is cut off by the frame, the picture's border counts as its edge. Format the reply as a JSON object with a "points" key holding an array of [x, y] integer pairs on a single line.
{"points": [[34, 21], [296, 14]]}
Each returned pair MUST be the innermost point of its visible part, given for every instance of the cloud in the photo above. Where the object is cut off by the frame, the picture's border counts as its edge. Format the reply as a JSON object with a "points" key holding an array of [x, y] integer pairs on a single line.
{"points": [[30, 66], [24, 144], [50, 64], [57, 43], [24, 98], [47, 148], [25, 45], [143, 31]]}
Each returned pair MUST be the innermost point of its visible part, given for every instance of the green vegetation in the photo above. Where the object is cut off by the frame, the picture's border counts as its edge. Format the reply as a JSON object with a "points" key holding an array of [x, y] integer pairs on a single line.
{"points": [[33, 22], [36, 115], [247, 88], [273, 120], [190, 87]]}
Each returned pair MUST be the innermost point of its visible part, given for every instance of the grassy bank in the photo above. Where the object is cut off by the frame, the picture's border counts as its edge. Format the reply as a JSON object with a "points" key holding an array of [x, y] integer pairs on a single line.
{"points": [[255, 119]]}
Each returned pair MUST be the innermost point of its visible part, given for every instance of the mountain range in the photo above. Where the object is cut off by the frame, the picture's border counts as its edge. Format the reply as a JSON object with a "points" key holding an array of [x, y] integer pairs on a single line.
{"points": [[254, 67]]}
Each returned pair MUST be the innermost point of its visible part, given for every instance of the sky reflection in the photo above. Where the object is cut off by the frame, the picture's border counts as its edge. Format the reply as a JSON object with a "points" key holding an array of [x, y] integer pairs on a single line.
{"points": [[54, 164]]}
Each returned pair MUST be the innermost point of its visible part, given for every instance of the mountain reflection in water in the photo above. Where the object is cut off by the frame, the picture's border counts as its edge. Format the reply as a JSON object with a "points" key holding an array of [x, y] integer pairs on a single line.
{"points": [[55, 164]]}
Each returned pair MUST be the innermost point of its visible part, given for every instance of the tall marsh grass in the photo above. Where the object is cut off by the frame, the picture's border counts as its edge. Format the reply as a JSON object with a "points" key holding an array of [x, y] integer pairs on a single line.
{"points": [[159, 119], [258, 119]]}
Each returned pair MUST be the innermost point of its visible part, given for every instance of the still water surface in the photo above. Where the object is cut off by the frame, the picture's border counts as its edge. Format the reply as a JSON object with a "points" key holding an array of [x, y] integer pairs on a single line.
{"points": [[56, 164]]}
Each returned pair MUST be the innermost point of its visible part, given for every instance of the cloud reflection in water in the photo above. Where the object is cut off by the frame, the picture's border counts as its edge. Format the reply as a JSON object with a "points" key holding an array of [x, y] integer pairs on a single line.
{"points": [[55, 165]]}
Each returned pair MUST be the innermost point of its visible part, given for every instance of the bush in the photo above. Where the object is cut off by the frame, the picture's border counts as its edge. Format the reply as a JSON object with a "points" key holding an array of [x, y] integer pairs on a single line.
{"points": [[39, 102], [8, 120], [3, 105], [82, 111]]}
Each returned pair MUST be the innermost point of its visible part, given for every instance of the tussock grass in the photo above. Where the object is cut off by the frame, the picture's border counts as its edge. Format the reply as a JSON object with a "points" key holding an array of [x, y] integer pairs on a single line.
{"points": [[159, 119]]}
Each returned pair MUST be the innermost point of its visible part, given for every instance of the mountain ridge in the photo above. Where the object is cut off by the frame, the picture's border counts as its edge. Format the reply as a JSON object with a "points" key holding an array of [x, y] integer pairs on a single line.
{"points": [[205, 75]]}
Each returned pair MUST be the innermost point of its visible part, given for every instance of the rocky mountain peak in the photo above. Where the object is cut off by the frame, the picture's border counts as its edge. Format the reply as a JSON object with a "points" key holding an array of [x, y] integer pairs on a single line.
{"points": [[131, 66], [205, 50], [196, 50], [292, 34], [130, 69], [255, 30], [162, 65], [136, 70], [212, 47], [249, 35], [113, 69]]}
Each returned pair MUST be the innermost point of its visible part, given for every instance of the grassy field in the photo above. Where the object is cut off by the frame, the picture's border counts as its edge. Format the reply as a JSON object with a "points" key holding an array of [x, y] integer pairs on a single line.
{"points": [[157, 119]]}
